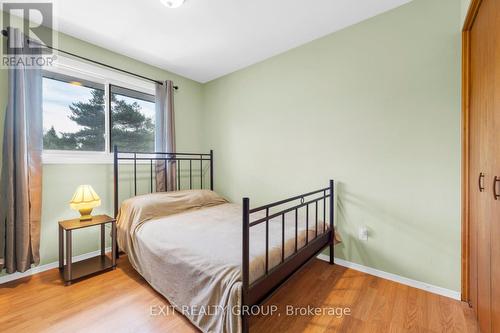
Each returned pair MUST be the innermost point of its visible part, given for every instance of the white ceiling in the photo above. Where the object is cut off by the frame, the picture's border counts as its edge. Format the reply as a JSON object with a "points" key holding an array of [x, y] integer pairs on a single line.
{"points": [[206, 39]]}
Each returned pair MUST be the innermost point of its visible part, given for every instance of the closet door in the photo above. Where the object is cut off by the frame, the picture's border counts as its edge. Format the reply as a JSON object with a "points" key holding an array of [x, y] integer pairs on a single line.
{"points": [[483, 40], [495, 191]]}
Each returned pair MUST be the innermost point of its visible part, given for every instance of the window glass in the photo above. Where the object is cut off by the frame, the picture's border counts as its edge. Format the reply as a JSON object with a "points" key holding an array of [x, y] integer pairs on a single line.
{"points": [[132, 120], [73, 114]]}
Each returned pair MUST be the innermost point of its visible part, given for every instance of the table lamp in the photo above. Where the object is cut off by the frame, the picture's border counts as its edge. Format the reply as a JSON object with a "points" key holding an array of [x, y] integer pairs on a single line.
{"points": [[84, 200]]}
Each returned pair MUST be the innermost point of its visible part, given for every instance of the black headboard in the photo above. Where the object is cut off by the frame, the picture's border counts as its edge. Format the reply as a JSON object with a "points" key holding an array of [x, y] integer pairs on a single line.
{"points": [[185, 161]]}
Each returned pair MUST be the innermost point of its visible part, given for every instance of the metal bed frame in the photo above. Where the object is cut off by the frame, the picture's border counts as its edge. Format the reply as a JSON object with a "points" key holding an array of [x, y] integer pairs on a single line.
{"points": [[253, 294]]}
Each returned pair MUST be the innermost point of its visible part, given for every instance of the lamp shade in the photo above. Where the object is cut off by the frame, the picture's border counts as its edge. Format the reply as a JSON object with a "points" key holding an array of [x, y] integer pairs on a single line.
{"points": [[85, 198]]}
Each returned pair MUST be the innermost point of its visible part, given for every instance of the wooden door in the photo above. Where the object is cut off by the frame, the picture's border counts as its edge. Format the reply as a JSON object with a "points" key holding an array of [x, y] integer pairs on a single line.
{"points": [[484, 138], [494, 13], [479, 171]]}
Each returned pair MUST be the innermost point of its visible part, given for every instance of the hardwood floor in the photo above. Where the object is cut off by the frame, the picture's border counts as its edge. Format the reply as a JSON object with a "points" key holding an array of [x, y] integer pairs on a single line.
{"points": [[121, 301]]}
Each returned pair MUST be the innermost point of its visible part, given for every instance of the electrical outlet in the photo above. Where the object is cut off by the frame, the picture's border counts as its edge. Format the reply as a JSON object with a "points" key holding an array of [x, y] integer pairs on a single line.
{"points": [[363, 233]]}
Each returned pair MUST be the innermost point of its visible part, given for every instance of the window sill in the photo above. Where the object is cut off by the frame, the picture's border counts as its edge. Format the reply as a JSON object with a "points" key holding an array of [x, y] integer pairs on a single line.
{"points": [[76, 158], [79, 157]]}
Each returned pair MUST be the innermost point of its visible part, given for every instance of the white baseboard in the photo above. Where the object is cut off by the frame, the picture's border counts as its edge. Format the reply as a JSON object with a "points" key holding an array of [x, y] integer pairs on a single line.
{"points": [[372, 271], [396, 278], [46, 267]]}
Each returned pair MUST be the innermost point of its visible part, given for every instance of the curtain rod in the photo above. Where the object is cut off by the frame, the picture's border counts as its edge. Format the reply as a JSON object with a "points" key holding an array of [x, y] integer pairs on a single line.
{"points": [[5, 33]]}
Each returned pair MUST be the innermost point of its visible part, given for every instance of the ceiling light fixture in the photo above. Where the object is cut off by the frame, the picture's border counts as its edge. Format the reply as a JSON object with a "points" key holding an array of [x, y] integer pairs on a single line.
{"points": [[172, 3]]}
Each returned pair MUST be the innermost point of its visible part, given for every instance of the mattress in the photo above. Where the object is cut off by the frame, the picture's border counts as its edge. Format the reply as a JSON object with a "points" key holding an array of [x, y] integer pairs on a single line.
{"points": [[188, 246]]}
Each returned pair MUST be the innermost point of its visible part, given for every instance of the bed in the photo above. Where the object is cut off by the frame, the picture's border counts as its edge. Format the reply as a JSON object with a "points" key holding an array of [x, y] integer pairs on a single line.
{"points": [[213, 260]]}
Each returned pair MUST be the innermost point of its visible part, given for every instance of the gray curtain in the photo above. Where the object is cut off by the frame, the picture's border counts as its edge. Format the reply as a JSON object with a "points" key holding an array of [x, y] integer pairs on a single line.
{"points": [[166, 173], [21, 182]]}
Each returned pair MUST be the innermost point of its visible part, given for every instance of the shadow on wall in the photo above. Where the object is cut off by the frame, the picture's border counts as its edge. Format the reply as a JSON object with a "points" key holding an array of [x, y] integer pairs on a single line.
{"points": [[195, 177]]}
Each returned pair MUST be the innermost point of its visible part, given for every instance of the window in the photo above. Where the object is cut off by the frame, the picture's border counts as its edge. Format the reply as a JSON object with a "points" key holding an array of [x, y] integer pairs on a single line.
{"points": [[73, 114], [132, 120], [87, 110]]}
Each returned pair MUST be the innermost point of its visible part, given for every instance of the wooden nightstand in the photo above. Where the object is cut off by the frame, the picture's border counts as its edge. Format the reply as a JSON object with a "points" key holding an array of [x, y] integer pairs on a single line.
{"points": [[73, 271]]}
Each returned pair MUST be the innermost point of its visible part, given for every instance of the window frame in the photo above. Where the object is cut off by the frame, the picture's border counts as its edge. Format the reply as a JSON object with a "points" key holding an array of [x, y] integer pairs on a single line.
{"points": [[99, 75]]}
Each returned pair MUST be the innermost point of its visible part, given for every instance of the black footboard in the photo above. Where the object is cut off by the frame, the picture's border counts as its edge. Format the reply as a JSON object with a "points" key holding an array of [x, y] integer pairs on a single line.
{"points": [[259, 290]]}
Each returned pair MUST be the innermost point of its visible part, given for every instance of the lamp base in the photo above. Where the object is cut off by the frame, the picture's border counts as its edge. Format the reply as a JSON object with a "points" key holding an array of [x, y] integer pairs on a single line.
{"points": [[85, 214]]}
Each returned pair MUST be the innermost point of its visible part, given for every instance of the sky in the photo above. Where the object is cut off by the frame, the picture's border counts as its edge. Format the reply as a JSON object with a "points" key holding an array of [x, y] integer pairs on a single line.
{"points": [[58, 95]]}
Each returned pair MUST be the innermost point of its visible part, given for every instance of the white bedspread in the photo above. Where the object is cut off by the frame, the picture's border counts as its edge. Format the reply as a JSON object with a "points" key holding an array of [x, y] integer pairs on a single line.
{"points": [[188, 246]]}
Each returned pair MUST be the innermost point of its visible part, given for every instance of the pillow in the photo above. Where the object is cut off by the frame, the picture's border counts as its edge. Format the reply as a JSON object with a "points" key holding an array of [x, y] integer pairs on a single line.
{"points": [[148, 206]]}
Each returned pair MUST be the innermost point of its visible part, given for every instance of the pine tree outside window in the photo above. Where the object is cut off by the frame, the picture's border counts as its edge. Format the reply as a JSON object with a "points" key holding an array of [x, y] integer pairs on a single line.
{"points": [[84, 118], [73, 114], [132, 120]]}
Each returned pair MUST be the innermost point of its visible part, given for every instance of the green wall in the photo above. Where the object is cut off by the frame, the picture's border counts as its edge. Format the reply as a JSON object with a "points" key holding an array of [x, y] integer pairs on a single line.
{"points": [[376, 107], [60, 181]]}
